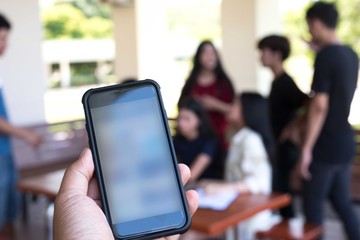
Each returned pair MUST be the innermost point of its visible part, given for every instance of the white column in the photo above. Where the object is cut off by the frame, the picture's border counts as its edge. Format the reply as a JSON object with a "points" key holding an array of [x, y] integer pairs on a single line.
{"points": [[268, 21], [65, 74], [154, 51], [142, 46], [243, 23], [21, 67], [126, 58]]}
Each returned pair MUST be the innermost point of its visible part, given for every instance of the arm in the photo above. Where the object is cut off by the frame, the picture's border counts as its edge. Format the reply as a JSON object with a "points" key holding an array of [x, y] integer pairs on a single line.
{"points": [[8, 129], [200, 164], [318, 110], [212, 103], [221, 103], [299, 101], [294, 131], [256, 173]]}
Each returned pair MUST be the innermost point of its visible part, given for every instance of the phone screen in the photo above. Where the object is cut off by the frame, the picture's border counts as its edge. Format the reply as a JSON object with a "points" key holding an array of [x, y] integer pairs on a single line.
{"points": [[136, 160]]}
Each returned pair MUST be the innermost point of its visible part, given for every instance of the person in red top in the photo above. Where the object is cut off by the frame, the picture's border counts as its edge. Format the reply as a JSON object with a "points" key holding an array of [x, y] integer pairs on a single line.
{"points": [[209, 84]]}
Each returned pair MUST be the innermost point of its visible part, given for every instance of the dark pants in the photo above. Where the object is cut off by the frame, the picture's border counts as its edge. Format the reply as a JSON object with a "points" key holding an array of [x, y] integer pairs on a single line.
{"points": [[287, 155], [330, 181]]}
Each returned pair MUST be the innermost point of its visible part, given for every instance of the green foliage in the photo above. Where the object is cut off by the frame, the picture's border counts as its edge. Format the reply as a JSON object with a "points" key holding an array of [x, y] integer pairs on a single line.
{"points": [[348, 29], [64, 21], [83, 74], [92, 8]]}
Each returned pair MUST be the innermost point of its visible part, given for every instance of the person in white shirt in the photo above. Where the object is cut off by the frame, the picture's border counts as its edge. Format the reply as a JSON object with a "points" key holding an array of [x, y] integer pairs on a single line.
{"points": [[248, 164]]}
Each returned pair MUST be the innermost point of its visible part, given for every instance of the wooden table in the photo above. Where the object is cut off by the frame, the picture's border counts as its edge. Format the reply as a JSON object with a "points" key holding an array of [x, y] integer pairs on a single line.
{"points": [[207, 221], [213, 222], [46, 184]]}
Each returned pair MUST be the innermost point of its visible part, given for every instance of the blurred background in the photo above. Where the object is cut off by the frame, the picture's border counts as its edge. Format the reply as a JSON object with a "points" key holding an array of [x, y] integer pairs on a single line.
{"points": [[68, 46]]}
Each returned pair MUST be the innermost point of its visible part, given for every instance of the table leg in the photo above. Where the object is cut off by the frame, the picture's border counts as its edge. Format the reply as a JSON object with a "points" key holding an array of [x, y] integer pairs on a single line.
{"points": [[24, 206], [49, 219]]}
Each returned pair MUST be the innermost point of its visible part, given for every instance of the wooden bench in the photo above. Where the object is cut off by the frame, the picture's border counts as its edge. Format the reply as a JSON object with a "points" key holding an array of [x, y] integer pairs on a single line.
{"points": [[357, 139], [355, 176], [284, 231], [61, 144]]}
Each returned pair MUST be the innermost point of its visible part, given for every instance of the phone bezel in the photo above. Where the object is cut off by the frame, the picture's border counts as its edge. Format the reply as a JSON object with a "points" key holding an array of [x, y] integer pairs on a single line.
{"points": [[99, 174]]}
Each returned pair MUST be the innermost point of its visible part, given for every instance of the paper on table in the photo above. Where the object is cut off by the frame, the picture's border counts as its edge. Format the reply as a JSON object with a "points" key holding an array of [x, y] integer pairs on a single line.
{"points": [[218, 201]]}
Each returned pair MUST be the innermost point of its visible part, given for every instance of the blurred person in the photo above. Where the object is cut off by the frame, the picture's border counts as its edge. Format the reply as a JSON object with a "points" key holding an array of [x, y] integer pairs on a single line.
{"points": [[8, 174], [127, 80], [248, 168], [329, 147], [78, 212], [209, 84], [285, 101], [195, 141]]}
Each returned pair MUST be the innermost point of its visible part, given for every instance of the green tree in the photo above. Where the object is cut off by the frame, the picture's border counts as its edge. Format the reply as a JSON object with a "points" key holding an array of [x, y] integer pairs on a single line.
{"points": [[348, 29], [64, 21], [92, 8]]}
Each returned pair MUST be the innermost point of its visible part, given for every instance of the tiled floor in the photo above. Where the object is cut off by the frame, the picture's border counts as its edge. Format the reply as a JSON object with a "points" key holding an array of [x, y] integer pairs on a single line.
{"points": [[35, 228]]}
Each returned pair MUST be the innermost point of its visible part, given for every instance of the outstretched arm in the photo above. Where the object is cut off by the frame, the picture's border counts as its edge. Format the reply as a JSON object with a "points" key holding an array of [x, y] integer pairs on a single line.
{"points": [[7, 129]]}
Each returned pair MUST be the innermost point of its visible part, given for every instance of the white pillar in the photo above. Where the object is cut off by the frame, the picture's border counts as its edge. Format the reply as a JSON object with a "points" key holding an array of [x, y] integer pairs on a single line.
{"points": [[268, 21], [126, 58], [21, 67], [65, 74], [238, 39], [243, 23], [143, 49]]}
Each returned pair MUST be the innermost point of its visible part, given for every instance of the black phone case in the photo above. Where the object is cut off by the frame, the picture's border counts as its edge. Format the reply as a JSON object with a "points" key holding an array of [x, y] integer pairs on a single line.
{"points": [[98, 171]]}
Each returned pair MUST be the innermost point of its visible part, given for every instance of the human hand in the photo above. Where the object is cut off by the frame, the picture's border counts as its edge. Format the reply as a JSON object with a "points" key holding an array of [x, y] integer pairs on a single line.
{"points": [[212, 187], [295, 179], [32, 138], [78, 213], [291, 133], [305, 161], [209, 102], [312, 45]]}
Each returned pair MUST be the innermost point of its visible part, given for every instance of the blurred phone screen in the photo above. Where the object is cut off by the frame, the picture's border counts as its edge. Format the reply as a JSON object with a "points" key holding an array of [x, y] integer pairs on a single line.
{"points": [[136, 160]]}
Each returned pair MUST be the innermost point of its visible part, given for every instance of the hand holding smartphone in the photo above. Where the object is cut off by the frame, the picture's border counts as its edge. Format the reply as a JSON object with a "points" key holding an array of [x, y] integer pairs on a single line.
{"points": [[135, 162]]}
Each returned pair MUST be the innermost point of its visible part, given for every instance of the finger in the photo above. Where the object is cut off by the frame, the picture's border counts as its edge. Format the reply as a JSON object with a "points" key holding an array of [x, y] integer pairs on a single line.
{"points": [[99, 203], [305, 173], [174, 237], [193, 201], [93, 189], [185, 173], [78, 175]]}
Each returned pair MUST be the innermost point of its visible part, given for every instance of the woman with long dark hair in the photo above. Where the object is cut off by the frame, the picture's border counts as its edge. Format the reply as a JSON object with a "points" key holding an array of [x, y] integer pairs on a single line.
{"points": [[248, 164], [195, 142], [209, 84]]}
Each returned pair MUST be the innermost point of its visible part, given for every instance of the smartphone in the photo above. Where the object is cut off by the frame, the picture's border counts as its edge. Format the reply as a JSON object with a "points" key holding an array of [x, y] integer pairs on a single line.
{"points": [[135, 161]]}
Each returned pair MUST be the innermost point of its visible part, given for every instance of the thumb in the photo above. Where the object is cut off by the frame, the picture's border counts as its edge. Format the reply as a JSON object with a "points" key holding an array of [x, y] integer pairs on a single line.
{"points": [[78, 175], [305, 172]]}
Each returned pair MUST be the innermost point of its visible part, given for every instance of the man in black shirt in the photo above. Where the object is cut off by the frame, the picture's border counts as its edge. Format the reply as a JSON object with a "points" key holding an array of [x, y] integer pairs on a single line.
{"points": [[285, 99], [329, 146]]}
